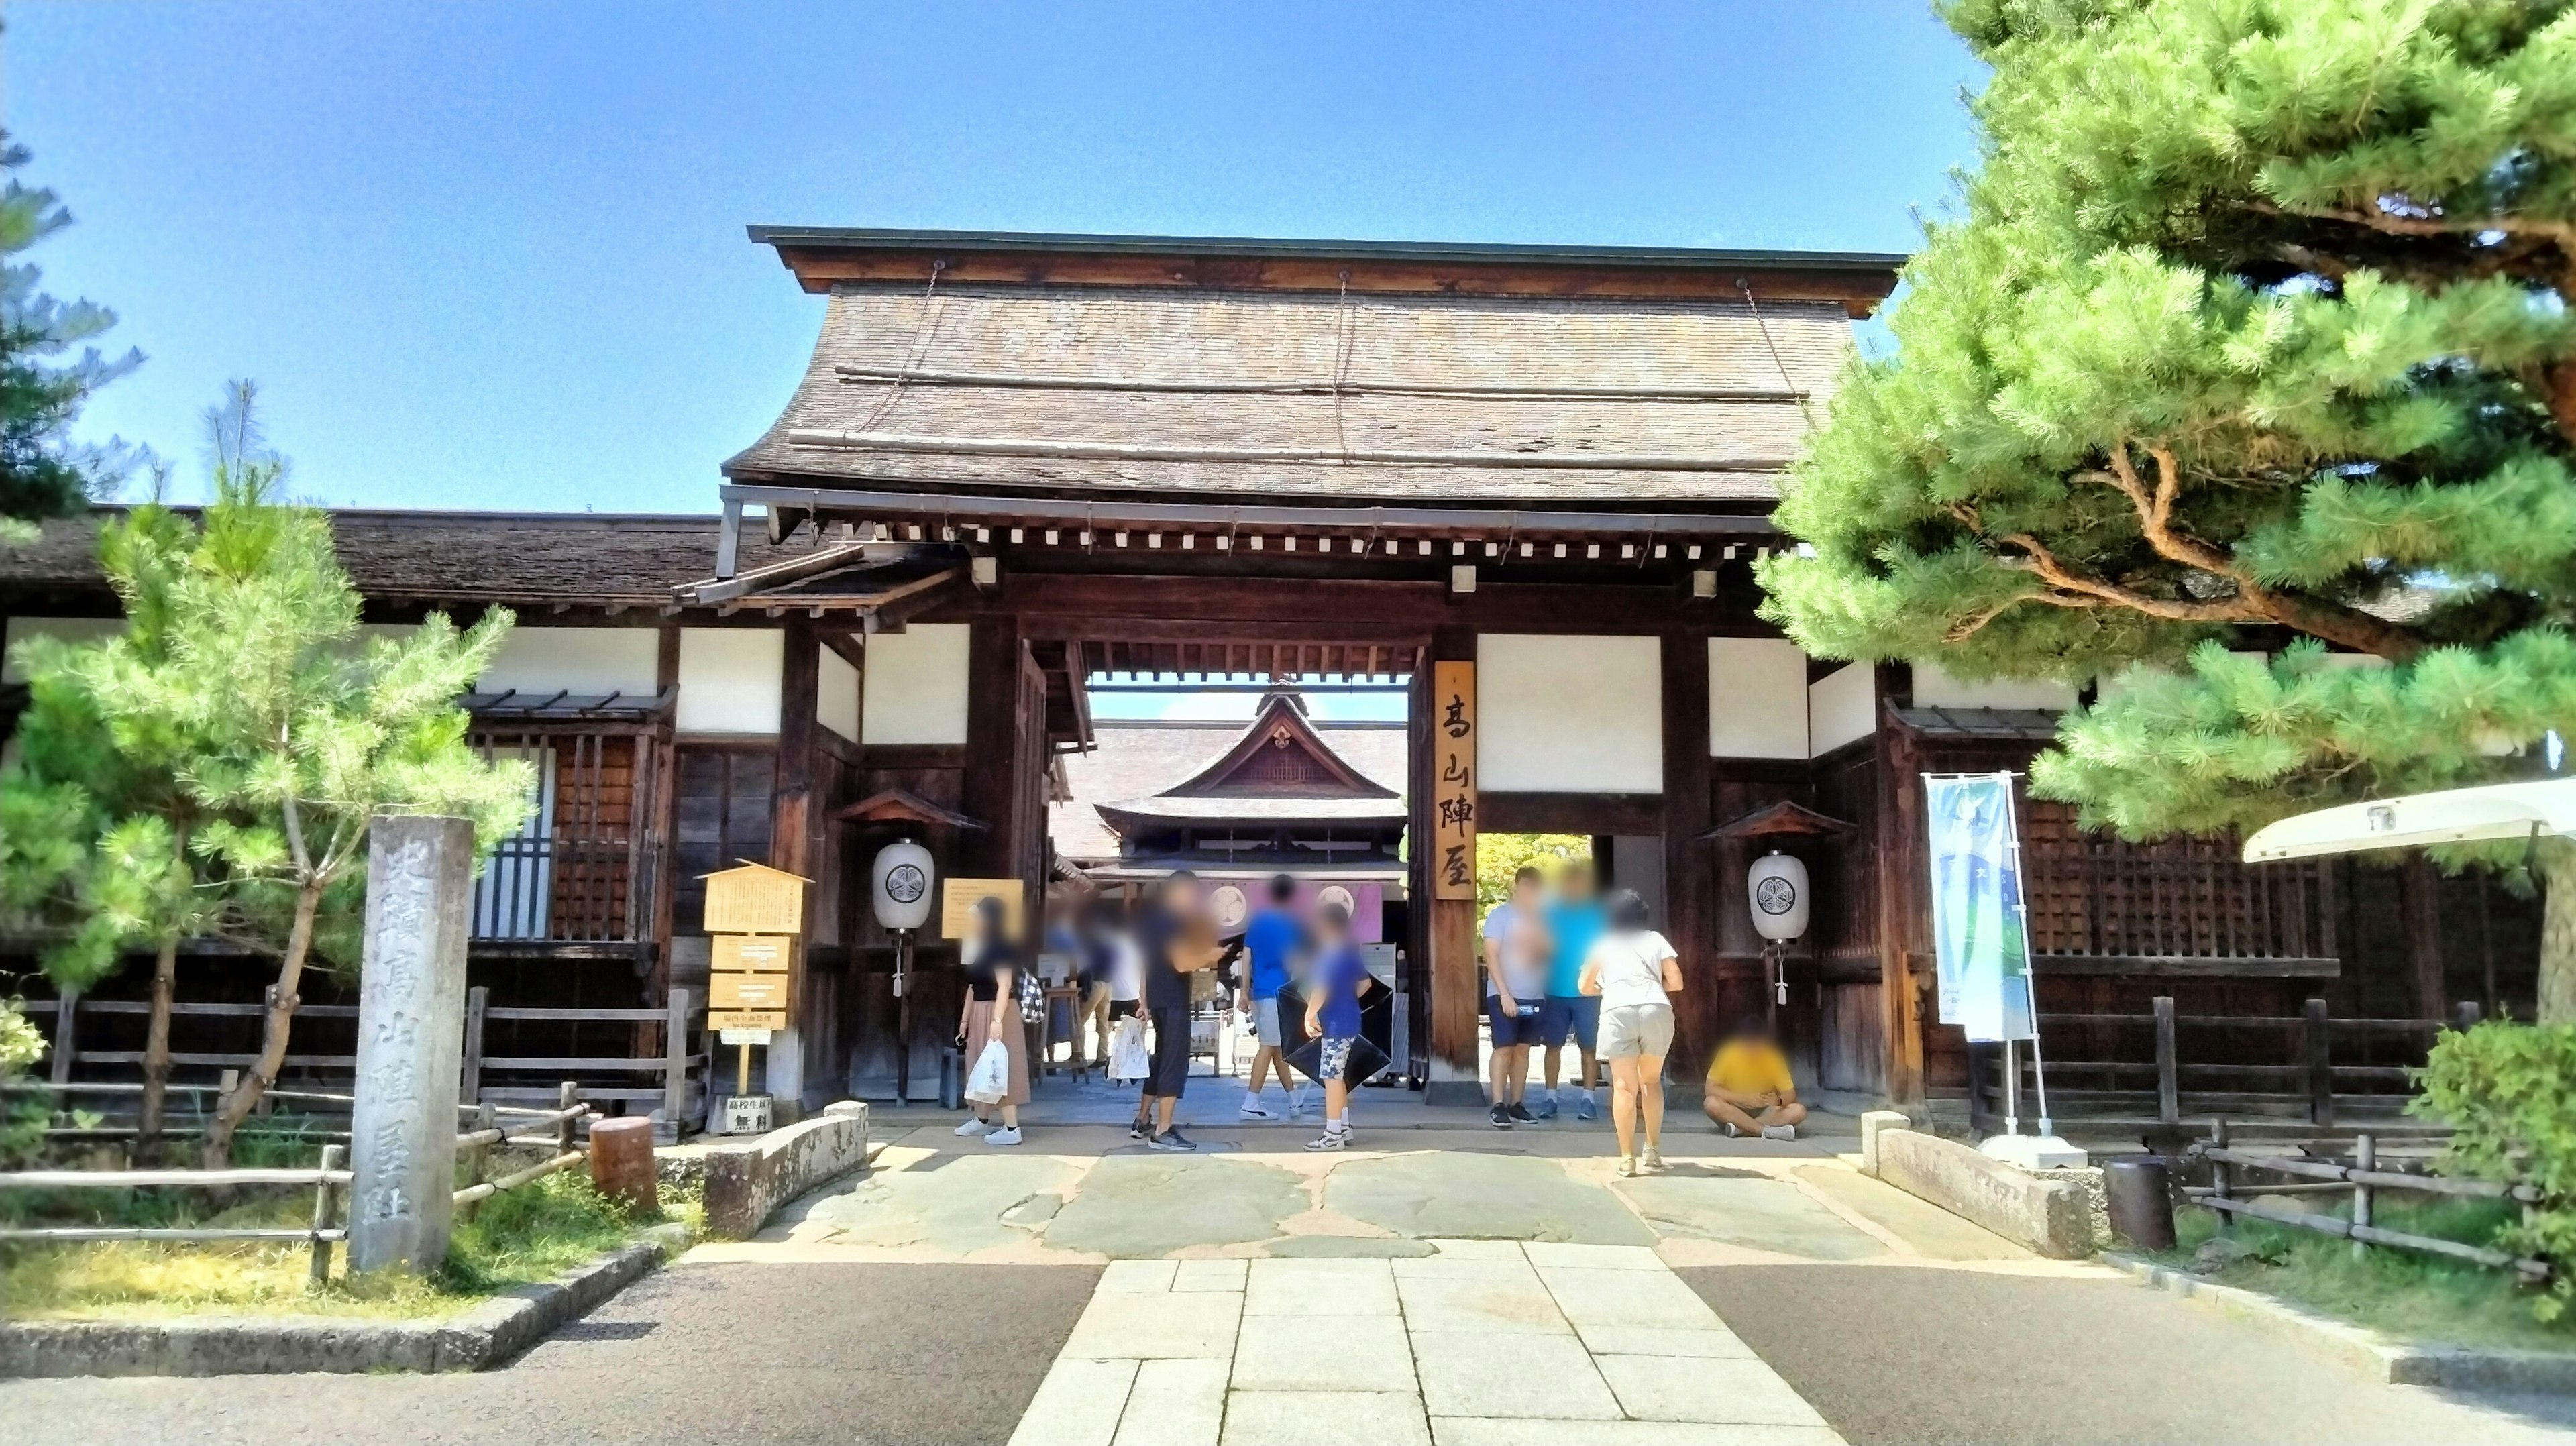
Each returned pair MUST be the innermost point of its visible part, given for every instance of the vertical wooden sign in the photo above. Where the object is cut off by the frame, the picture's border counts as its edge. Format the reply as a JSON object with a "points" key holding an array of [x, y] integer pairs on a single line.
{"points": [[1453, 785]]}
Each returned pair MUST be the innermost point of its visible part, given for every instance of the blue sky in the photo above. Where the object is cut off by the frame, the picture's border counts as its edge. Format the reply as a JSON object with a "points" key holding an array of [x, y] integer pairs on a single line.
{"points": [[491, 254]]}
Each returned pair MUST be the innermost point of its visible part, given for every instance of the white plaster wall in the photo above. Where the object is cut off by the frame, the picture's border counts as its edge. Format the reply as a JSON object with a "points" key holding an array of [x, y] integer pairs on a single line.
{"points": [[730, 679], [916, 689], [71, 630], [1841, 706], [1757, 698], [836, 695], [1582, 714], [1936, 688], [575, 660]]}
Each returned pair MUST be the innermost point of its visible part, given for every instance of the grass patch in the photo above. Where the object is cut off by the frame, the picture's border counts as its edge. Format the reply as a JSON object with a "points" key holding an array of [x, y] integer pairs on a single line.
{"points": [[2402, 1293], [516, 1238]]}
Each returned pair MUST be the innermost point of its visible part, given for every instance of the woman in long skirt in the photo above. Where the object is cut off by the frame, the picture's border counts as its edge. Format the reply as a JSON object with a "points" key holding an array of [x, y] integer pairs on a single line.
{"points": [[993, 1012]]}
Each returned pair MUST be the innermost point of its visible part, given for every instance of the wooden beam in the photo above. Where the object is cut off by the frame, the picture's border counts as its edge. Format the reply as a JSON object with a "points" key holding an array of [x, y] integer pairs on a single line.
{"points": [[1584, 813]]}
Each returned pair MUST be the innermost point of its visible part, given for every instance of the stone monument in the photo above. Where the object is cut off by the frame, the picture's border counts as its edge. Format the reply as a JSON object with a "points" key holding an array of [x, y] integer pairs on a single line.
{"points": [[411, 1019]]}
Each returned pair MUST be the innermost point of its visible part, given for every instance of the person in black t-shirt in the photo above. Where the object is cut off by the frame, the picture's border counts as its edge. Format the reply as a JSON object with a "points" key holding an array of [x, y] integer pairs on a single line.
{"points": [[1177, 940]]}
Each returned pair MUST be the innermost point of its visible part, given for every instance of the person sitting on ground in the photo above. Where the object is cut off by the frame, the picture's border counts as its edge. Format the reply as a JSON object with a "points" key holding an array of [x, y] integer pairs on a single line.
{"points": [[1634, 972], [1749, 1089], [1516, 960], [1271, 938], [992, 1014], [1333, 1017]]}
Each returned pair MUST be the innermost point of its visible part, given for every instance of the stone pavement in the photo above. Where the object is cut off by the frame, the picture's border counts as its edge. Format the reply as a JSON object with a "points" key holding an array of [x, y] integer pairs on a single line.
{"points": [[1478, 1343]]}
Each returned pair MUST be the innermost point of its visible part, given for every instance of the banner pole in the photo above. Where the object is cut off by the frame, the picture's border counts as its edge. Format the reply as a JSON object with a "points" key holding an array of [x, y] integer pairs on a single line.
{"points": [[2029, 978]]}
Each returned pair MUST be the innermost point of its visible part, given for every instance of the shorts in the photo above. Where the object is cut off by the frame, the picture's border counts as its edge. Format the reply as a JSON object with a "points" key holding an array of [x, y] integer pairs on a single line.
{"points": [[1171, 1052], [1578, 1014], [1510, 1029], [1632, 1030], [1334, 1059], [1265, 1020]]}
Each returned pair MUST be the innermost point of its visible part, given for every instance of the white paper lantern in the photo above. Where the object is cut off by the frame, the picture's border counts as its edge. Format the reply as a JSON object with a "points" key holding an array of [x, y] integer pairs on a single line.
{"points": [[1777, 887], [903, 876]]}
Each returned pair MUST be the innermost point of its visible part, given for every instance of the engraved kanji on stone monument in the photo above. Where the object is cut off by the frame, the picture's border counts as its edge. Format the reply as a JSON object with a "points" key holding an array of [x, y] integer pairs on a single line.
{"points": [[411, 1019]]}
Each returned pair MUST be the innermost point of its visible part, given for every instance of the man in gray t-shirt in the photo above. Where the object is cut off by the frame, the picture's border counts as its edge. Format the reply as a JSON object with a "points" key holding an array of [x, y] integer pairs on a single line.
{"points": [[1517, 953]]}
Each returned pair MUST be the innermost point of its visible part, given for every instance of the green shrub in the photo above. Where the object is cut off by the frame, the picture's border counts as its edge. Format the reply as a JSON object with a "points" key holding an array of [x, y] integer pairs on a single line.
{"points": [[2510, 1091], [22, 1119]]}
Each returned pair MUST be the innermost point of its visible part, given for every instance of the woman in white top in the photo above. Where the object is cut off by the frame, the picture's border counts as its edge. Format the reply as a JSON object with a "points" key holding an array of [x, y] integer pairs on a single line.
{"points": [[1635, 973]]}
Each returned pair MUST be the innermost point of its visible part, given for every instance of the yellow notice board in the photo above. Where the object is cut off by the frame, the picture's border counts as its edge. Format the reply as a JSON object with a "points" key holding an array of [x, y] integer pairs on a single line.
{"points": [[747, 991], [958, 897], [753, 953], [1453, 781], [755, 899], [723, 1019]]}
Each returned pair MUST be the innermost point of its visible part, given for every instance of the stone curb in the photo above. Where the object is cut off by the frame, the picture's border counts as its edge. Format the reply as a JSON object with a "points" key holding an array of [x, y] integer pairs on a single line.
{"points": [[475, 1339], [2399, 1363]]}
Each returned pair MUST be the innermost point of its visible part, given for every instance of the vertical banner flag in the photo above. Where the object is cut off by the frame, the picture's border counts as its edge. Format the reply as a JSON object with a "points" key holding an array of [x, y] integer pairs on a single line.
{"points": [[1980, 941], [1453, 781]]}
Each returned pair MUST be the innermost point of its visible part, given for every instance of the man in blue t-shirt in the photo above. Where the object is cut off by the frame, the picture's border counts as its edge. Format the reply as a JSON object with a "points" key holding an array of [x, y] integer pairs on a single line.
{"points": [[1272, 937], [1574, 919], [1333, 1017]]}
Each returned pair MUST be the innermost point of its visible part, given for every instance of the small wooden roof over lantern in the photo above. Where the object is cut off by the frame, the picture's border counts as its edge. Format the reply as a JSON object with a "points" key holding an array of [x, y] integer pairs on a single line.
{"points": [[755, 899], [896, 805], [1782, 821]]}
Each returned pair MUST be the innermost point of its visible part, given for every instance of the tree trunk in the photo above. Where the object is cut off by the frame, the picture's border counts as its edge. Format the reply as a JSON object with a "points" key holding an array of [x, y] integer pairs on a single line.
{"points": [[237, 1105], [156, 1040], [2556, 860]]}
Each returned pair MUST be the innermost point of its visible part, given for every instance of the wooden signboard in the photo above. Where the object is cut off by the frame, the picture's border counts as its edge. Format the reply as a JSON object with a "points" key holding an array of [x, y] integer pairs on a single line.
{"points": [[958, 897], [755, 899], [753, 953], [747, 991], [724, 1019], [1453, 781]]}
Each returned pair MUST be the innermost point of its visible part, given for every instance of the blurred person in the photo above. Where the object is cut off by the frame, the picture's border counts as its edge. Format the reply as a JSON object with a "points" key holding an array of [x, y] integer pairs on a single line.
{"points": [[1341, 976], [1100, 944], [1749, 1088], [1271, 939], [992, 1012], [1574, 919], [1177, 940], [1633, 971], [1516, 961]]}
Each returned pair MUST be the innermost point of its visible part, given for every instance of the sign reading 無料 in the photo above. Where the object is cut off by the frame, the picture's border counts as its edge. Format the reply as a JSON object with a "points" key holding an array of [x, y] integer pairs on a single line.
{"points": [[1453, 781]]}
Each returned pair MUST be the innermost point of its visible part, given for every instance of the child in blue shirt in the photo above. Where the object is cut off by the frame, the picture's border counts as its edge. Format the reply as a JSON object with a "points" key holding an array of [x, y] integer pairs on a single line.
{"points": [[1333, 1017]]}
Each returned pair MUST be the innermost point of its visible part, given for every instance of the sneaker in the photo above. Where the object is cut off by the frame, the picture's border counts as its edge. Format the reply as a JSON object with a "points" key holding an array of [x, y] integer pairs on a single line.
{"points": [[1329, 1140], [1583, 1108], [1627, 1166], [1521, 1114], [1501, 1115], [1253, 1111], [1297, 1102], [971, 1129], [1731, 1131], [1003, 1137], [1139, 1130], [1779, 1132], [1170, 1139], [1546, 1109], [1651, 1160]]}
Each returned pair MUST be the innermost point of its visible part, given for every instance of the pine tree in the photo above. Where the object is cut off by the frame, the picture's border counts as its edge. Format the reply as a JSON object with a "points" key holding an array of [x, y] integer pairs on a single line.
{"points": [[47, 371], [2245, 378], [215, 767]]}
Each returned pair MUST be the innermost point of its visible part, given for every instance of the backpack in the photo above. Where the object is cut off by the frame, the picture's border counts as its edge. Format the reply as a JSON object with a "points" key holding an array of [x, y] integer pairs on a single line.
{"points": [[1032, 998]]}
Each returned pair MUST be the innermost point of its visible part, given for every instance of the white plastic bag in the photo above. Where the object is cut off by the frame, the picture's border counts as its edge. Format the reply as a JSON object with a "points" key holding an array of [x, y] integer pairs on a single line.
{"points": [[1128, 1058], [990, 1080]]}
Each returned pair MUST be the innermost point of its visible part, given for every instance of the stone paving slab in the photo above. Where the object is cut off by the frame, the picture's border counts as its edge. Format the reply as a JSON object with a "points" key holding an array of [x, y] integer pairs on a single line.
{"points": [[1324, 1418], [1436, 1193], [1174, 1403], [1323, 1353], [1152, 1205], [1475, 1374], [1739, 1208]]}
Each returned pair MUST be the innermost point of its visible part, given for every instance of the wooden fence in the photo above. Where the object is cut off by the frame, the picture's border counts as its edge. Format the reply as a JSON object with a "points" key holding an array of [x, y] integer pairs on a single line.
{"points": [[673, 1083], [2363, 1179], [2304, 1083], [561, 1126]]}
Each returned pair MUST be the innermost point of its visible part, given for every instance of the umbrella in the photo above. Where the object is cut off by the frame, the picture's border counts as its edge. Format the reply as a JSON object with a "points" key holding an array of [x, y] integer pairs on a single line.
{"points": [[2457, 815], [1307, 1051]]}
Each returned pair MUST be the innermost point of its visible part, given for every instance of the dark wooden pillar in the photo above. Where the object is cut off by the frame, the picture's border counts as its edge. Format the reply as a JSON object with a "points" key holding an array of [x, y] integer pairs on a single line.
{"points": [[795, 826], [1690, 921], [994, 716], [1451, 934], [2420, 899], [1899, 844]]}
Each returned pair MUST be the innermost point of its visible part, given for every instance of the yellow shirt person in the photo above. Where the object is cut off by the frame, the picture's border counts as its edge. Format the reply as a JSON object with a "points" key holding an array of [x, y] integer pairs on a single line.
{"points": [[1749, 1087]]}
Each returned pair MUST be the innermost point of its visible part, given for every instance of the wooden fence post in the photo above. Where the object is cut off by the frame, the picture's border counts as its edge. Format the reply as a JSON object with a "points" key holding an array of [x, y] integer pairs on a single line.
{"points": [[469, 1078], [675, 1065], [566, 1098], [2465, 1015], [334, 1157], [66, 1040], [2218, 1171], [2365, 1158], [2320, 1064], [477, 1157], [2168, 1067]]}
